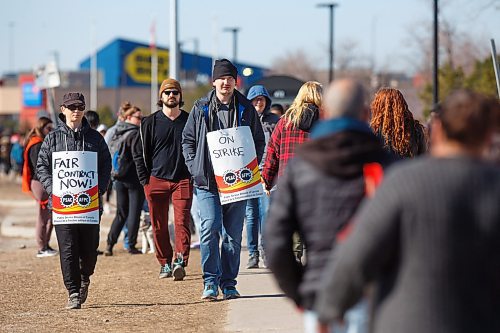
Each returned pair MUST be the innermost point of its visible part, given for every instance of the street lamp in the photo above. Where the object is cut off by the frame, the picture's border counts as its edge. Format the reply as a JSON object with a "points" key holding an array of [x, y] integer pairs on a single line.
{"points": [[235, 31], [435, 69], [331, 6]]}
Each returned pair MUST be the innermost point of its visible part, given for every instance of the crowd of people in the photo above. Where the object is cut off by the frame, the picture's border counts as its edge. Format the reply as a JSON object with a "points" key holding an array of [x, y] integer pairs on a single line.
{"points": [[368, 219]]}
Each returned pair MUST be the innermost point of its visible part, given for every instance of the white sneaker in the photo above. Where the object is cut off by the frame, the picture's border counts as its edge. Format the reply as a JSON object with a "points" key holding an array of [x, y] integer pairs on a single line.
{"points": [[51, 252], [46, 253]]}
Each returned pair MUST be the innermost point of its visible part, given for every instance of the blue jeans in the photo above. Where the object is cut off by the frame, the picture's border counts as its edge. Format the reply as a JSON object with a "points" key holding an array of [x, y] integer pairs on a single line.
{"points": [[220, 266], [256, 211]]}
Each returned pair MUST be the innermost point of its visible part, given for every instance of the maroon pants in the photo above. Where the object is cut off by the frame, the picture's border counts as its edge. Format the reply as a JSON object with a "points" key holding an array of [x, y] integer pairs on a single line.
{"points": [[159, 192]]}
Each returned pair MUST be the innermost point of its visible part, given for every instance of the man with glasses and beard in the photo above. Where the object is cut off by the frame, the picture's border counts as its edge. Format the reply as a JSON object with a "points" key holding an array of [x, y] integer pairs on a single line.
{"points": [[164, 175]]}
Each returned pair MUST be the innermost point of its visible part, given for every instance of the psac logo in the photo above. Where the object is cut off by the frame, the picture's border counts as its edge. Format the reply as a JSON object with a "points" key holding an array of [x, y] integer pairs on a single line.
{"points": [[67, 200], [231, 177], [81, 199]]}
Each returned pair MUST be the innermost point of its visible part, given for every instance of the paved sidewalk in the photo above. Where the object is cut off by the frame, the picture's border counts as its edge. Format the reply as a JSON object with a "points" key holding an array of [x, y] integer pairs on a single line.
{"points": [[262, 307]]}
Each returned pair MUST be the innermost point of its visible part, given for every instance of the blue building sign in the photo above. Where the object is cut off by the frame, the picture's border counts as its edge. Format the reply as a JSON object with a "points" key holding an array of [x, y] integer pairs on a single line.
{"points": [[32, 96], [127, 63]]}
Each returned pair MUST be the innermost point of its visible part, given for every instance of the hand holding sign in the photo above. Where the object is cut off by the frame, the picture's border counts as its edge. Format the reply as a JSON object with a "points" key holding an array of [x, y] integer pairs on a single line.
{"points": [[234, 160]]}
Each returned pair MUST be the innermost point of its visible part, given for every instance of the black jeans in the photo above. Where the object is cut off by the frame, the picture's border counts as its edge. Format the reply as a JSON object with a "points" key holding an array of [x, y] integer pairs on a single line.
{"points": [[78, 252], [129, 201]]}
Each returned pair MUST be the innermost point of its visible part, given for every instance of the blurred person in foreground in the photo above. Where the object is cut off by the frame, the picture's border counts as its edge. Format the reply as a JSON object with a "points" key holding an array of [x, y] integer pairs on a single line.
{"points": [[428, 239], [319, 193], [77, 242], [393, 122], [291, 131], [32, 185]]}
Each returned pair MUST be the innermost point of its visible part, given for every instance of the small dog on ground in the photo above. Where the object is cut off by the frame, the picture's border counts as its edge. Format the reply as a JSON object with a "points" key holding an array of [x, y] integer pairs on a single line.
{"points": [[146, 230]]}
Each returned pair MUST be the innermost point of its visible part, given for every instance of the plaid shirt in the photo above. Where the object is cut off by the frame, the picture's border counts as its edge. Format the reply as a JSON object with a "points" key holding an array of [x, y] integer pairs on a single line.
{"points": [[280, 149]]}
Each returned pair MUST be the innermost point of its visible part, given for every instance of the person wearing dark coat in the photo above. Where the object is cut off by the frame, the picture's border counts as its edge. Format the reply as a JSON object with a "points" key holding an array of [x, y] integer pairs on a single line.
{"points": [[319, 193], [427, 242], [78, 243], [129, 192]]}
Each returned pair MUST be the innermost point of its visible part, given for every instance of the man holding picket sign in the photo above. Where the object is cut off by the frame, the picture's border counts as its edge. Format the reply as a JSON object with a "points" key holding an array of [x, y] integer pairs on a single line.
{"points": [[223, 144], [74, 168]]}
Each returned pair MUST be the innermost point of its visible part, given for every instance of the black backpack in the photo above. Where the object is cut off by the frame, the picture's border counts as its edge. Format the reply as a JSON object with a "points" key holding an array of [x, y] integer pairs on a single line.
{"points": [[120, 159]]}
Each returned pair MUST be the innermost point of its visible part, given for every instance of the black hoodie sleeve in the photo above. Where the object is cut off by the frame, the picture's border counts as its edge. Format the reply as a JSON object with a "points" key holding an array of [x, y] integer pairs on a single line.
{"points": [[138, 156], [44, 164], [257, 132], [104, 165]]}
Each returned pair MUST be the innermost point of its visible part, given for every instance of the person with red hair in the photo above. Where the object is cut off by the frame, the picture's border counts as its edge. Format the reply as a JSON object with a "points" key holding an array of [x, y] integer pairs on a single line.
{"points": [[393, 122]]}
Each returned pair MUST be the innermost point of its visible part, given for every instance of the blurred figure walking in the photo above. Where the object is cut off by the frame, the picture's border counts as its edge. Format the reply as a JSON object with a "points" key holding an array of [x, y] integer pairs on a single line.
{"points": [[256, 209], [429, 237], [31, 184], [291, 131], [319, 193], [129, 192], [393, 122]]}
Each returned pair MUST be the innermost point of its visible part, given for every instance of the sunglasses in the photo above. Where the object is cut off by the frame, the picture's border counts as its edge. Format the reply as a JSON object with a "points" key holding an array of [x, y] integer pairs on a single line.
{"points": [[74, 107], [173, 92], [138, 117]]}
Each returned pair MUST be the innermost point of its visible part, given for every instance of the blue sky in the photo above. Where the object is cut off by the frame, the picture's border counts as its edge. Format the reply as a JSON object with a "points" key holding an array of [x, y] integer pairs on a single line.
{"points": [[269, 28]]}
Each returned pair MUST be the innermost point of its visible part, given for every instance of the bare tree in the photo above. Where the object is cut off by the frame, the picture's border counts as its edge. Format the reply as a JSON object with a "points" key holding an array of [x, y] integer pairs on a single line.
{"points": [[297, 64], [457, 48]]}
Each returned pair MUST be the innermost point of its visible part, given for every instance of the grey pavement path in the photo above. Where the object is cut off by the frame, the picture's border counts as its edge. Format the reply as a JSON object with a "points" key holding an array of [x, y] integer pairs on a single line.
{"points": [[263, 308]]}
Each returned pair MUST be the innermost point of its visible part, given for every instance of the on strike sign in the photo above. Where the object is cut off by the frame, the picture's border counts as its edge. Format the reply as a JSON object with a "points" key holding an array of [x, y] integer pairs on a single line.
{"points": [[234, 160], [75, 194]]}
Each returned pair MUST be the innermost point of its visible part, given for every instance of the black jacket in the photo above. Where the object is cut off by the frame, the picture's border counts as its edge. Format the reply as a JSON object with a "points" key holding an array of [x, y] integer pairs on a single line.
{"points": [[143, 148], [194, 142], [57, 140], [318, 194], [130, 175]]}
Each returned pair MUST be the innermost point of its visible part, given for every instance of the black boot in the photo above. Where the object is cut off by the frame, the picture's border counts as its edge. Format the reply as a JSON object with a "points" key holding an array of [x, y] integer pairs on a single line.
{"points": [[109, 251]]}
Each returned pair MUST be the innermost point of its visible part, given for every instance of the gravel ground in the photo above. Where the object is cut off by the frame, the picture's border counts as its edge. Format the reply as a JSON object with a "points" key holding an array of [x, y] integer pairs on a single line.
{"points": [[125, 293]]}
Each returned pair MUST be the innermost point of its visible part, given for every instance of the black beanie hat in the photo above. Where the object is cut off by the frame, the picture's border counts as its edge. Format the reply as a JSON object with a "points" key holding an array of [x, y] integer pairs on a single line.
{"points": [[224, 67]]}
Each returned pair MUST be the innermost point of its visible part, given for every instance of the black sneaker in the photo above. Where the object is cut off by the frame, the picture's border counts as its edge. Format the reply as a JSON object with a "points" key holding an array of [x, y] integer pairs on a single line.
{"points": [[165, 271], [84, 290], [253, 261], [179, 272], [109, 251], [73, 302], [134, 250]]}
